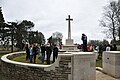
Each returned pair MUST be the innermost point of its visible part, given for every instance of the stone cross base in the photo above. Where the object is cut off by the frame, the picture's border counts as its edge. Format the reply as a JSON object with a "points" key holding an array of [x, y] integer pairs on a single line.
{"points": [[69, 41], [70, 48]]}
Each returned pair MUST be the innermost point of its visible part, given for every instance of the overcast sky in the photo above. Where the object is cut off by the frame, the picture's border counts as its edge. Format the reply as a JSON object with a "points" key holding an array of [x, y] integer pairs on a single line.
{"points": [[49, 16]]}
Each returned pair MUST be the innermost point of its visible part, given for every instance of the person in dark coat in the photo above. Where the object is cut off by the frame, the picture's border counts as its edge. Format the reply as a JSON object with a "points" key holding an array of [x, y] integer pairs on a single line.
{"points": [[43, 52], [27, 52], [55, 53], [34, 52], [48, 53], [84, 39]]}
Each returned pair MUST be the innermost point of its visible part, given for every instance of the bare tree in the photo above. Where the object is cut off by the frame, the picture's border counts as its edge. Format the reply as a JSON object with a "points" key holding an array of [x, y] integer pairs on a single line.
{"points": [[118, 17], [110, 19]]}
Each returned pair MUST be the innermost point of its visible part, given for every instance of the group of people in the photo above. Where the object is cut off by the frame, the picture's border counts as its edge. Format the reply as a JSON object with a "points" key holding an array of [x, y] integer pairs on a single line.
{"points": [[48, 50], [111, 47], [108, 47], [33, 50]]}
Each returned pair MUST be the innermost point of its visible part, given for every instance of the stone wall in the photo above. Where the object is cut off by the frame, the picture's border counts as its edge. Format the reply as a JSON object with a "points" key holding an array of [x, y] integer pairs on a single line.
{"points": [[68, 66], [59, 71]]}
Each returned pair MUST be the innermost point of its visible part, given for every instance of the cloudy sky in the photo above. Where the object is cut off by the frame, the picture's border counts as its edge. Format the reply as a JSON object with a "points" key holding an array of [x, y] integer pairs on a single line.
{"points": [[49, 16]]}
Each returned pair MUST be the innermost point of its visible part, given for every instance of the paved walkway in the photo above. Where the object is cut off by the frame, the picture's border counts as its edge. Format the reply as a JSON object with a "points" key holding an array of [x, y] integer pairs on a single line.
{"points": [[102, 76]]}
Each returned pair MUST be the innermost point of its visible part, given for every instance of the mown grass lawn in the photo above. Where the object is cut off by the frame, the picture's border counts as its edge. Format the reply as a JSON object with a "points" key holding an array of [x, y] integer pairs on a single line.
{"points": [[99, 63], [22, 58]]}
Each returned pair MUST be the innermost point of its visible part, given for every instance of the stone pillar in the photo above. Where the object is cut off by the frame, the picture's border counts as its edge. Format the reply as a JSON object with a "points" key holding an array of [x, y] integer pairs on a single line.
{"points": [[111, 63], [83, 66]]}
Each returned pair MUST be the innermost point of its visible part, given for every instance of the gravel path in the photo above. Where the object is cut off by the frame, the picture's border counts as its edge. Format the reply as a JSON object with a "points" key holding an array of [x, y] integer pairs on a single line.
{"points": [[102, 76]]}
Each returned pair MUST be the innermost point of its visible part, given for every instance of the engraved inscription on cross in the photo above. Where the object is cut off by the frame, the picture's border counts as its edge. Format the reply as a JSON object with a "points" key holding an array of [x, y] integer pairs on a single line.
{"points": [[69, 27]]}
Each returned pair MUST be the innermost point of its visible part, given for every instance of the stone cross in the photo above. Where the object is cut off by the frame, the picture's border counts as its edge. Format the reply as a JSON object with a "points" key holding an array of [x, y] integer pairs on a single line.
{"points": [[69, 27]]}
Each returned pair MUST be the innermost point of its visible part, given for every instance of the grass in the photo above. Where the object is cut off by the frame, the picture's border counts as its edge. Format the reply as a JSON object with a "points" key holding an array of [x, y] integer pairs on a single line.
{"points": [[22, 58], [3, 53], [99, 63], [118, 47]]}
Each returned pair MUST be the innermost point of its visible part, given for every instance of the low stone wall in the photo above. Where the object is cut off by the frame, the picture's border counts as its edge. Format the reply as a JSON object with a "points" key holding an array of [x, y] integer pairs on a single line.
{"points": [[25, 71], [68, 66]]}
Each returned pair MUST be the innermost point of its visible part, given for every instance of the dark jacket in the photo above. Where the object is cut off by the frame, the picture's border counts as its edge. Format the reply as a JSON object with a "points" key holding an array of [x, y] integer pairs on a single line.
{"points": [[84, 39], [55, 50], [43, 49]]}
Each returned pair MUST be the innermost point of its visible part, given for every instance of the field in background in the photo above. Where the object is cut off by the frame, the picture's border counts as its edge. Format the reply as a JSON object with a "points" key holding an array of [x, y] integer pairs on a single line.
{"points": [[3, 53], [118, 47]]}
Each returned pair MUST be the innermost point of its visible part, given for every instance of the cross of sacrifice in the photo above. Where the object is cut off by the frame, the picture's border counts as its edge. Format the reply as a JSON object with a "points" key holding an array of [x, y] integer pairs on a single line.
{"points": [[69, 27]]}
